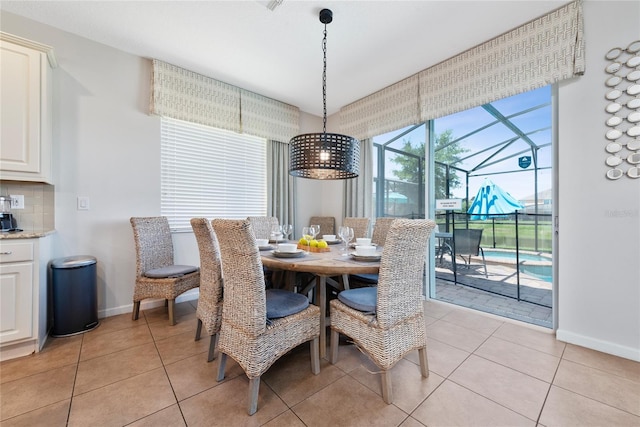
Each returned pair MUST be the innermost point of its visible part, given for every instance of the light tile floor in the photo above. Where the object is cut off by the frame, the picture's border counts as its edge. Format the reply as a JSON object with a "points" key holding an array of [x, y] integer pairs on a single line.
{"points": [[484, 371]]}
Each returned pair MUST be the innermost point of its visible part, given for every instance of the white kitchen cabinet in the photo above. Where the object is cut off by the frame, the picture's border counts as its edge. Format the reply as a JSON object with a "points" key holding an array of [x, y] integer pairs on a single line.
{"points": [[25, 110], [23, 296]]}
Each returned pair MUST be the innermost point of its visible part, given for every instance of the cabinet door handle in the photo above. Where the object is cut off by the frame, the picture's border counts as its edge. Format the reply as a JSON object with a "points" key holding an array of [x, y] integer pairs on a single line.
{"points": [[6, 253]]}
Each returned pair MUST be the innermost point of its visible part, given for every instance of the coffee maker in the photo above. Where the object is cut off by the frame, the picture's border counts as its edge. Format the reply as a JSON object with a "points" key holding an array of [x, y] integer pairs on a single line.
{"points": [[7, 221]]}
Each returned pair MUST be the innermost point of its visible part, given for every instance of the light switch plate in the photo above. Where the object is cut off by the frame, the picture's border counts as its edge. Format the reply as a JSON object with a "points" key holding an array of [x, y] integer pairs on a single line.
{"points": [[83, 203], [17, 201]]}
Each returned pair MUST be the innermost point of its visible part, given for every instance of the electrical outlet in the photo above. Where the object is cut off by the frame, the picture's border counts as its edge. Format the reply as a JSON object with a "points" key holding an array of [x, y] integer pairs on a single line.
{"points": [[17, 202], [83, 203]]}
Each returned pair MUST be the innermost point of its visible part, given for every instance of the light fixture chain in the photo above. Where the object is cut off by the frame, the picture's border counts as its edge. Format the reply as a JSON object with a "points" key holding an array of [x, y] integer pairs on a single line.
{"points": [[324, 81]]}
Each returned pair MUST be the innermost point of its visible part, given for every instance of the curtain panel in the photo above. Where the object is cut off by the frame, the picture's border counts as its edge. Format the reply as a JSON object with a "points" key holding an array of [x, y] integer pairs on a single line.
{"points": [[358, 192], [185, 95], [543, 51], [280, 185]]}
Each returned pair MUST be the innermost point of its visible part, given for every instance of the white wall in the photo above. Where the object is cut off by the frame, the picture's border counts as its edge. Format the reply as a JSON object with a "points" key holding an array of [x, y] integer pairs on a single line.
{"points": [[108, 149], [599, 220]]}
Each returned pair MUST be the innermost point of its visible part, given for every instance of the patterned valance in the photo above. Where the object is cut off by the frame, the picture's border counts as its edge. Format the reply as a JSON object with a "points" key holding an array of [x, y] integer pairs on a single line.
{"points": [[372, 115], [543, 51], [268, 118], [185, 95]]}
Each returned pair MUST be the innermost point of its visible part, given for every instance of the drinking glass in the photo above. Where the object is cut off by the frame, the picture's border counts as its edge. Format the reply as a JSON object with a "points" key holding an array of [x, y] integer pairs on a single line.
{"points": [[315, 229], [287, 229], [306, 234], [346, 235], [276, 231]]}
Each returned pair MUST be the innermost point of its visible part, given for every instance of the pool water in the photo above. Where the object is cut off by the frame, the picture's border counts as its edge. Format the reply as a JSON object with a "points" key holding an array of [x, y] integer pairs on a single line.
{"points": [[533, 264]]}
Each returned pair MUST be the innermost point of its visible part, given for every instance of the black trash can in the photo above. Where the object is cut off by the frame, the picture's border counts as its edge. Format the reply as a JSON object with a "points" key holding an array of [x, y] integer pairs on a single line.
{"points": [[75, 297]]}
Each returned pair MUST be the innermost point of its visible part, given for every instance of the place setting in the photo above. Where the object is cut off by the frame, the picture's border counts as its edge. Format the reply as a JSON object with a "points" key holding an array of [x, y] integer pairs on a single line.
{"points": [[288, 250], [368, 253]]}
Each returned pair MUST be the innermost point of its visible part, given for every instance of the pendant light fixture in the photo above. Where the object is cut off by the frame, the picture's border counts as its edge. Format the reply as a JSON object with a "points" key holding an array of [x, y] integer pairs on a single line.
{"points": [[324, 155]]}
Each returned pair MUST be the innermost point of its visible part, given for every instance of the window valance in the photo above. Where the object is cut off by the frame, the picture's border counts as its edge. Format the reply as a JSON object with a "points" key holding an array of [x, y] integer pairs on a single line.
{"points": [[543, 51], [185, 95]]}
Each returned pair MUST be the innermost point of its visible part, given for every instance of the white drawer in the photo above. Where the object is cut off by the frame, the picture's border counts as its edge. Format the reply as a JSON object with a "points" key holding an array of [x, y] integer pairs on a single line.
{"points": [[15, 251]]}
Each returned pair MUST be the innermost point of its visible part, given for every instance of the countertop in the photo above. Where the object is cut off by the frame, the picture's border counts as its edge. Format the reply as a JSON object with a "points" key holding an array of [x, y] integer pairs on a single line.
{"points": [[27, 234]]}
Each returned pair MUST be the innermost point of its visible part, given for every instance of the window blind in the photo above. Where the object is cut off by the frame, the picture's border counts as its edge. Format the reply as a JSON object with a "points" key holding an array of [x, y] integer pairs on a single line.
{"points": [[211, 173]]}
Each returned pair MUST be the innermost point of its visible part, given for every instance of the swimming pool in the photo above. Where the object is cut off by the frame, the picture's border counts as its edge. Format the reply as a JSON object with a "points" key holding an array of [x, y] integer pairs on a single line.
{"points": [[536, 264]]}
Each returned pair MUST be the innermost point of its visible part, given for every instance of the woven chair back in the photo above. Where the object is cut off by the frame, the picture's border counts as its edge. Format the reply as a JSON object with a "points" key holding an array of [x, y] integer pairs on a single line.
{"points": [[380, 230], [360, 226], [154, 245], [327, 224], [210, 271], [262, 225], [244, 288], [400, 280]]}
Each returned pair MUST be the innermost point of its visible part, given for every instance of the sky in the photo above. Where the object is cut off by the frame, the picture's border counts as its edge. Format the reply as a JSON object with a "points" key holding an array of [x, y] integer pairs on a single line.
{"points": [[534, 122]]}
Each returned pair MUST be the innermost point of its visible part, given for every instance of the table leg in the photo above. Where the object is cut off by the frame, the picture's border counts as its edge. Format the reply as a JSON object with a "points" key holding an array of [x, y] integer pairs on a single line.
{"points": [[321, 299]]}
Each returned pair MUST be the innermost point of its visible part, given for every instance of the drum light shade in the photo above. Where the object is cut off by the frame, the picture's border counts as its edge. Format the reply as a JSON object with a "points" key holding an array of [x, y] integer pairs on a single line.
{"points": [[324, 155]]}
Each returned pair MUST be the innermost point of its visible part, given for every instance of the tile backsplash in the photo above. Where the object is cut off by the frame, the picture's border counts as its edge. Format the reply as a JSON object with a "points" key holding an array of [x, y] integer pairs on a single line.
{"points": [[39, 202]]}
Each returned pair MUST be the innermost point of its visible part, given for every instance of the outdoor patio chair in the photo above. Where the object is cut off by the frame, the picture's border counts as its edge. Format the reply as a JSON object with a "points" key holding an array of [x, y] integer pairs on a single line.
{"points": [[209, 310], [466, 242], [156, 274], [258, 325], [387, 322]]}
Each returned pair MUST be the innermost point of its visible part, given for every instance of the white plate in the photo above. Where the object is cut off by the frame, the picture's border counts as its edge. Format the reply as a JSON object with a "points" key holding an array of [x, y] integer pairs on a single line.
{"points": [[265, 248], [333, 242], [279, 241], [298, 253], [366, 258]]}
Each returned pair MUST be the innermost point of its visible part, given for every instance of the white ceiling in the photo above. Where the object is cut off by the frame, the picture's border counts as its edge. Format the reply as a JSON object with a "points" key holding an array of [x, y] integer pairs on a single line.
{"points": [[371, 44]]}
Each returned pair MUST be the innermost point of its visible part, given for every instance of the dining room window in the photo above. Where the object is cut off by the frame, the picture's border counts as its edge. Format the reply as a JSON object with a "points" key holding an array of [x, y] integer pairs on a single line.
{"points": [[211, 173]]}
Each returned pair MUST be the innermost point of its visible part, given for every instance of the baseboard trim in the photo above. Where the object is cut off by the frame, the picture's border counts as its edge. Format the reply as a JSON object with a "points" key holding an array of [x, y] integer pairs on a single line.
{"points": [[146, 304], [599, 345]]}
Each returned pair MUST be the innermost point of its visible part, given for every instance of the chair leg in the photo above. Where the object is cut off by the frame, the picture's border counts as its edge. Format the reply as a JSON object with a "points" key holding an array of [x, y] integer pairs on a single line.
{"points": [[212, 347], [345, 281], [172, 319], [136, 310], [335, 341], [424, 363], [222, 363], [315, 355], [387, 393], [254, 388], [198, 330]]}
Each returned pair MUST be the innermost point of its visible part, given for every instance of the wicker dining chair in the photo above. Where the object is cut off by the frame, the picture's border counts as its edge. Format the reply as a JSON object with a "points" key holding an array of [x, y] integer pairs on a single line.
{"points": [[258, 325], [156, 274], [380, 230], [327, 224], [209, 310], [360, 226], [262, 225], [386, 322], [378, 236]]}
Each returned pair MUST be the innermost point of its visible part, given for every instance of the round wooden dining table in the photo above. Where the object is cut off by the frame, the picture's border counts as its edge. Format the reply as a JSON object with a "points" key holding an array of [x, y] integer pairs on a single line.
{"points": [[324, 265]]}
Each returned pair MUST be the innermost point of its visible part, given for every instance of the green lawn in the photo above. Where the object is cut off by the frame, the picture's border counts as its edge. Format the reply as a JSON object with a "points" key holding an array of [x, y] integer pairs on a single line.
{"points": [[505, 234]]}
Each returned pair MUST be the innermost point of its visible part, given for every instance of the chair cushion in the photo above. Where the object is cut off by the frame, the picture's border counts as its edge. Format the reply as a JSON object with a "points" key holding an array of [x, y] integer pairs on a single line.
{"points": [[170, 271], [281, 303], [368, 278], [361, 299]]}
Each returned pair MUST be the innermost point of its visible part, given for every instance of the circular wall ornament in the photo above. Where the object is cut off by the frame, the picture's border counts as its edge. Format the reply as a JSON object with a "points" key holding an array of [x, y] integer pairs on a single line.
{"points": [[622, 95], [614, 121], [615, 173]]}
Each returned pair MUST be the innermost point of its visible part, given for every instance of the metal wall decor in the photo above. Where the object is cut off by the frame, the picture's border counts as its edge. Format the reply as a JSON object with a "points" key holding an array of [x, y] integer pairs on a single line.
{"points": [[623, 105]]}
